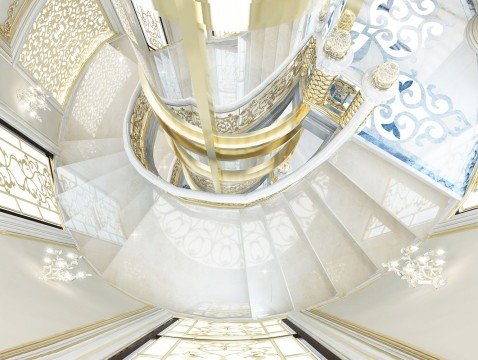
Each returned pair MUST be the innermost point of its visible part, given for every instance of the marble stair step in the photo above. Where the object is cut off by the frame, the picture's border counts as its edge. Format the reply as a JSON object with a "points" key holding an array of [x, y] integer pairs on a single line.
{"points": [[305, 276], [414, 203], [344, 261], [80, 150], [378, 233]]}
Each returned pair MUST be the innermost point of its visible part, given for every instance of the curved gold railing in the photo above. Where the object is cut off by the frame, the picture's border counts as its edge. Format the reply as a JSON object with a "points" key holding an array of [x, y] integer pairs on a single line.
{"points": [[138, 125], [245, 115], [230, 200], [277, 141]]}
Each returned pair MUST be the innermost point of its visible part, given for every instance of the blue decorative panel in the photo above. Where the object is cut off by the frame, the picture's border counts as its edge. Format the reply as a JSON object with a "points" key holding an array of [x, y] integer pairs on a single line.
{"points": [[432, 123]]}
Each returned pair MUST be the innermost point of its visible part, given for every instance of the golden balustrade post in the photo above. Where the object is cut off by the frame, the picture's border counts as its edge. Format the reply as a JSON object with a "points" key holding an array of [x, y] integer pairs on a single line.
{"points": [[318, 88]]}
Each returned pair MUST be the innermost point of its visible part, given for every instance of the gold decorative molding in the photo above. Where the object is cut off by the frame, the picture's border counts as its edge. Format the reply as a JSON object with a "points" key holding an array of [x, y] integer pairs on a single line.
{"points": [[330, 94], [175, 173], [390, 342], [63, 37], [15, 12], [50, 340], [245, 117], [138, 125], [205, 184], [351, 110], [252, 144], [234, 205]]}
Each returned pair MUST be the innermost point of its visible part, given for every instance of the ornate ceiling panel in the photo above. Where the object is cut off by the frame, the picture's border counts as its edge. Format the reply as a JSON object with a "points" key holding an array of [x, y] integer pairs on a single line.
{"points": [[10, 13], [107, 75], [63, 37]]}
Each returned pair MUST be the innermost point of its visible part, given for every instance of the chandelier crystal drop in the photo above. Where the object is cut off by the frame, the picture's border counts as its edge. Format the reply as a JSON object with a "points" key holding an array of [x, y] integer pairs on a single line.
{"points": [[60, 268], [32, 100], [426, 269]]}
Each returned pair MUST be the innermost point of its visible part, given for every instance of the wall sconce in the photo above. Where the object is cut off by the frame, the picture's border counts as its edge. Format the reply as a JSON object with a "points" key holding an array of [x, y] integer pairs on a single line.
{"points": [[32, 100], [426, 269], [59, 268]]}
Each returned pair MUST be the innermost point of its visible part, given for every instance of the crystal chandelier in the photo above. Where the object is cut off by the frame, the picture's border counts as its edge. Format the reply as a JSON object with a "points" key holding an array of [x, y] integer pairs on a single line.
{"points": [[32, 100], [59, 268], [426, 269]]}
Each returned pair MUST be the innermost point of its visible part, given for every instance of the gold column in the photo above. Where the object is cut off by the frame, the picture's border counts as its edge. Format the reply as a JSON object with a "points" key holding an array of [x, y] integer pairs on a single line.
{"points": [[194, 36]]}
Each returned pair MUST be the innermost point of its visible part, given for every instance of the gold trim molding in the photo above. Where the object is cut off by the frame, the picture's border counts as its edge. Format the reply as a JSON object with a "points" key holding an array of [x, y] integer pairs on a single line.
{"points": [[37, 238], [243, 118], [50, 340], [391, 342], [138, 124], [10, 25]]}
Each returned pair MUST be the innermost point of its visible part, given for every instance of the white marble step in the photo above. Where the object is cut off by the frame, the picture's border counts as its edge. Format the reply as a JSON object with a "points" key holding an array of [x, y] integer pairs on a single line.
{"points": [[132, 214], [268, 291], [305, 276], [89, 193], [187, 260], [126, 188], [80, 150], [346, 264], [98, 252], [411, 201], [378, 233], [86, 170]]}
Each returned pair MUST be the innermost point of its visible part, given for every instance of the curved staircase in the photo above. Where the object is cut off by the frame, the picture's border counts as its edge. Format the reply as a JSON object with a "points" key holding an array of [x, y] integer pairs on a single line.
{"points": [[321, 238]]}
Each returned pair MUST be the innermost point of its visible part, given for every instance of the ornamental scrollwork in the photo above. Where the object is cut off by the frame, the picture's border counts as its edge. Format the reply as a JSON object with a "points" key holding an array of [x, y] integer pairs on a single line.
{"points": [[232, 188], [152, 27], [107, 74], [26, 182], [6, 29], [176, 173], [246, 116], [138, 124], [399, 28], [62, 39]]}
